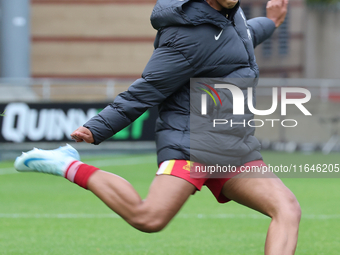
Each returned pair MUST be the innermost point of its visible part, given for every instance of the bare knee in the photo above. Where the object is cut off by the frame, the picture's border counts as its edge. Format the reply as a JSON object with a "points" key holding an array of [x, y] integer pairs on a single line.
{"points": [[148, 225], [295, 209], [148, 222], [288, 209]]}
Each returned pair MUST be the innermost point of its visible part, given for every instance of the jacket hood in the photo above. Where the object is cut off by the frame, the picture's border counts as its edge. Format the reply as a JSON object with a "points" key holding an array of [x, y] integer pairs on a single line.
{"points": [[187, 12]]}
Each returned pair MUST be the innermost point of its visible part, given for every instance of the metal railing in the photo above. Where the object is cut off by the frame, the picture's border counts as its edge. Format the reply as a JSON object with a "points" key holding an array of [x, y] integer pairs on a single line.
{"points": [[46, 89]]}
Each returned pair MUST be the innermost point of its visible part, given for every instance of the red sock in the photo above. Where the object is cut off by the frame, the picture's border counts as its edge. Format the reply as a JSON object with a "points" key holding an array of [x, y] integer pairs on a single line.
{"points": [[79, 173]]}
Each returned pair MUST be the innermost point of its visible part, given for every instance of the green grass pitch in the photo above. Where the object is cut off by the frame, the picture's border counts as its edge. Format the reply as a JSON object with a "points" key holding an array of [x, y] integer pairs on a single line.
{"points": [[43, 214]]}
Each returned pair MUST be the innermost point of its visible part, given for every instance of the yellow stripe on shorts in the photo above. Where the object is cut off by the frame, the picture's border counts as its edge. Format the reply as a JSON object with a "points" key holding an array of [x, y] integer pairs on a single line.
{"points": [[166, 167]]}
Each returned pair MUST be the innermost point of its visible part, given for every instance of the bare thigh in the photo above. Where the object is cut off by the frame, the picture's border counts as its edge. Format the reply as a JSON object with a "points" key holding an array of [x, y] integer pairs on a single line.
{"points": [[267, 195]]}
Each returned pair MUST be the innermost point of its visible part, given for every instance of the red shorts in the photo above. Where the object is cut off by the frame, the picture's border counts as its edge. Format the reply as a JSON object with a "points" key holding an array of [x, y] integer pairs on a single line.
{"points": [[181, 169]]}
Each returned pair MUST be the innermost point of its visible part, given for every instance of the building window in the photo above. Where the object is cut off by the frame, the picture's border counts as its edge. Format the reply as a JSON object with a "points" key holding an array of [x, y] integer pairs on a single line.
{"points": [[283, 35], [267, 45]]}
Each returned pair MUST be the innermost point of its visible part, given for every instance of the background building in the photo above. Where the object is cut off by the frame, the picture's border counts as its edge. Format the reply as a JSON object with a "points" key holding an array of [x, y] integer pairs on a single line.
{"points": [[114, 38], [283, 54], [91, 38]]}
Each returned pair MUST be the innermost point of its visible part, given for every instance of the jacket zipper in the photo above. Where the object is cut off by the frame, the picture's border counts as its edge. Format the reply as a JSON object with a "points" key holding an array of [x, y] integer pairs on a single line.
{"points": [[244, 44]]}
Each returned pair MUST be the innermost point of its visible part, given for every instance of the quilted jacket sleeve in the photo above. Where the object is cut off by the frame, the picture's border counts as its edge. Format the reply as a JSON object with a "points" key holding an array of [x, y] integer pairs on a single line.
{"points": [[261, 29], [166, 72]]}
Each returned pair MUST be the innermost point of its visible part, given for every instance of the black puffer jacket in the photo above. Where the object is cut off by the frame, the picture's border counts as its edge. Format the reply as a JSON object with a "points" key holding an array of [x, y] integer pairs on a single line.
{"points": [[193, 40]]}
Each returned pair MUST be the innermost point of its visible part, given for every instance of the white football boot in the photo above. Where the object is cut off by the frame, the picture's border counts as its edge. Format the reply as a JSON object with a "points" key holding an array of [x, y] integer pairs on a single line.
{"points": [[47, 161]]}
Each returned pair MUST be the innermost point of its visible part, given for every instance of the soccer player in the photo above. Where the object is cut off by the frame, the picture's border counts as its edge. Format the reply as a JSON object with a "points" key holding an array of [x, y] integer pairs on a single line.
{"points": [[199, 38]]}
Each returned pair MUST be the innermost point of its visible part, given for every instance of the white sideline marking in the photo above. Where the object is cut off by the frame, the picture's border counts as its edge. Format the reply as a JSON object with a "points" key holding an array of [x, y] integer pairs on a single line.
{"points": [[181, 216], [101, 163], [57, 216]]}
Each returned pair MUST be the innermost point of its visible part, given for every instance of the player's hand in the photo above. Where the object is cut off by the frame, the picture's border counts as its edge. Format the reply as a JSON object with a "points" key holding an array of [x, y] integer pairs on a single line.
{"points": [[82, 134], [277, 11]]}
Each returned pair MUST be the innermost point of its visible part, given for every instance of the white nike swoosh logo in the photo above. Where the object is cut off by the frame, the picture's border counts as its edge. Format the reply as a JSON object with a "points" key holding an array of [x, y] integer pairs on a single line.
{"points": [[218, 36]]}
